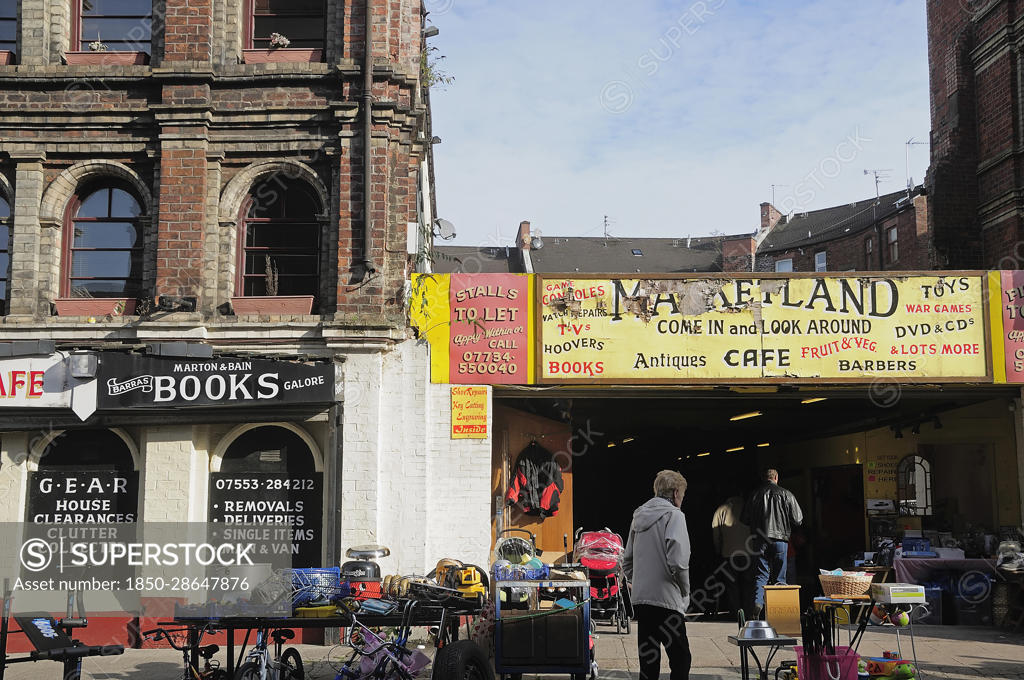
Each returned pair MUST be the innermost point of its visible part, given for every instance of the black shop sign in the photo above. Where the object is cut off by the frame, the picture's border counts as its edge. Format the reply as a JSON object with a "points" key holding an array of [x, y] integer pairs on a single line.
{"points": [[285, 510], [133, 381], [83, 496]]}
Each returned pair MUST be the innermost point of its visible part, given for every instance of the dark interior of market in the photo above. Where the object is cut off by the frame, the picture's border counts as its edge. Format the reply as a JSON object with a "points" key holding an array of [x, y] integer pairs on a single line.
{"points": [[827, 447]]}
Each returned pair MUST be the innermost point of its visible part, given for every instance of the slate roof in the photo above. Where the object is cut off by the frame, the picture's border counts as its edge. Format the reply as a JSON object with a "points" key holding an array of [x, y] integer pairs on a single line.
{"points": [[475, 260], [584, 254], [817, 226]]}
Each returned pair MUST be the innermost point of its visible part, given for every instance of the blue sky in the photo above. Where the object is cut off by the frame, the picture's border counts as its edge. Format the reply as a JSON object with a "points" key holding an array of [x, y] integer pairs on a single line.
{"points": [[672, 118]]}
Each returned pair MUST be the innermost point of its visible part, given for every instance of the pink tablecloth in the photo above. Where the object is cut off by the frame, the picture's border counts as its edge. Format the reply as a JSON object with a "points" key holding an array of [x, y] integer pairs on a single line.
{"points": [[918, 569]]}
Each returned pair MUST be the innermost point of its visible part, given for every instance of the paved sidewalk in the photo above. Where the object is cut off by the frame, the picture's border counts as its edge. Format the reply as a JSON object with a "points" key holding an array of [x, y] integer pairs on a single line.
{"points": [[943, 652]]}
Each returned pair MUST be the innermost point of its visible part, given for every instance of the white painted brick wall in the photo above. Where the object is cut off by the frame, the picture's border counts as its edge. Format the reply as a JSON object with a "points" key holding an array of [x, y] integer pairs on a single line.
{"points": [[407, 484]]}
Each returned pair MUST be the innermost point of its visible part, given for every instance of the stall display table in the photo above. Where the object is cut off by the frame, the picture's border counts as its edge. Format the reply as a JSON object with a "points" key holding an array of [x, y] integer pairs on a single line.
{"points": [[920, 569], [771, 645]]}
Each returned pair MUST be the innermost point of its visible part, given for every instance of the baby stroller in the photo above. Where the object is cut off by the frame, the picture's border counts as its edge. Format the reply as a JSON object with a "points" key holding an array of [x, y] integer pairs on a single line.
{"points": [[601, 553]]}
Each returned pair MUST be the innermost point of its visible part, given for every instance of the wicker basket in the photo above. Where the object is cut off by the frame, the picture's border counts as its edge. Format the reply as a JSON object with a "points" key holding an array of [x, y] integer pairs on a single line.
{"points": [[847, 585]]}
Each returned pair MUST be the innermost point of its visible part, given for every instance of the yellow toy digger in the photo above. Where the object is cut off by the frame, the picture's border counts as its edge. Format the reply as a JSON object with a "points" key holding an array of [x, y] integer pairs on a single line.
{"points": [[470, 580]]}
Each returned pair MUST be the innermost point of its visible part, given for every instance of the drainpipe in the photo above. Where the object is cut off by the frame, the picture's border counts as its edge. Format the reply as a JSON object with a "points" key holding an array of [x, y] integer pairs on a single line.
{"points": [[368, 268]]}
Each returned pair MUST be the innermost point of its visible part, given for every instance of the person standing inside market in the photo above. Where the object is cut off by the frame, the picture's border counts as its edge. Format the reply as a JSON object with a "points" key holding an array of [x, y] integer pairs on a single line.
{"points": [[657, 565], [771, 513], [731, 538]]}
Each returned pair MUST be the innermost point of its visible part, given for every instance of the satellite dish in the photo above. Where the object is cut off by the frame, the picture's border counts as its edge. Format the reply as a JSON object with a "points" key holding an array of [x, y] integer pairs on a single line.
{"points": [[445, 229]]}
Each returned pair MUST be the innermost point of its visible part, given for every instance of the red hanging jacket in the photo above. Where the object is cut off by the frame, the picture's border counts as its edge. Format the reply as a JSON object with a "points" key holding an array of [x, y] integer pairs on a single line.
{"points": [[536, 483]]}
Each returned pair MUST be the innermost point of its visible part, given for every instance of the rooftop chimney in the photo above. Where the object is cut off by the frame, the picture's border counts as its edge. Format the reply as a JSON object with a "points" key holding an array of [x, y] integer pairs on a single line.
{"points": [[769, 216], [523, 238]]}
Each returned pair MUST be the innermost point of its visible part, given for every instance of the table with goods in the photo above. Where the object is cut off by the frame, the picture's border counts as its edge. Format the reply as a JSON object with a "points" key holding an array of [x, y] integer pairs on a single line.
{"points": [[376, 614]]}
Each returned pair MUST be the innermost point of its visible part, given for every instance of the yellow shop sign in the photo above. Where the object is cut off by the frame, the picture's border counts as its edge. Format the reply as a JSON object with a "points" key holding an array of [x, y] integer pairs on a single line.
{"points": [[803, 327]]}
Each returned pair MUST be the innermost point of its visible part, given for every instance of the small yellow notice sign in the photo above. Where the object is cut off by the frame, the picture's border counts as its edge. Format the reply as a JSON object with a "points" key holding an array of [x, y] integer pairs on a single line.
{"points": [[469, 412]]}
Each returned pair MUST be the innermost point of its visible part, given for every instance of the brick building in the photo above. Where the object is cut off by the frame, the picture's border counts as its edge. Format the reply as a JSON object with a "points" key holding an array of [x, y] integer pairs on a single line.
{"points": [[175, 177], [975, 177], [889, 234]]}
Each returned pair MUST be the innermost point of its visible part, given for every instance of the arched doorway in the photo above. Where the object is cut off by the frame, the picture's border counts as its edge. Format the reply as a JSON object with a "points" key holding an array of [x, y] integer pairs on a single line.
{"points": [[268, 474], [84, 476]]}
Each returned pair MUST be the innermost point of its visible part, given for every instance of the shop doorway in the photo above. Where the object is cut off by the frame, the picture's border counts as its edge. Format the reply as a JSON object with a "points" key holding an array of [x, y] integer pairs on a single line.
{"points": [[268, 475], [514, 431]]}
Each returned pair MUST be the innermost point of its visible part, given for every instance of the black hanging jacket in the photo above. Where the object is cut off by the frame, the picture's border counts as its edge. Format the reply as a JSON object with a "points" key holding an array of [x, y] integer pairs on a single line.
{"points": [[536, 481]]}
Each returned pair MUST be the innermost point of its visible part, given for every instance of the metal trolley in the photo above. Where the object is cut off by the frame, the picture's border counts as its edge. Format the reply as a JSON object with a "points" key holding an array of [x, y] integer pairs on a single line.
{"points": [[543, 640]]}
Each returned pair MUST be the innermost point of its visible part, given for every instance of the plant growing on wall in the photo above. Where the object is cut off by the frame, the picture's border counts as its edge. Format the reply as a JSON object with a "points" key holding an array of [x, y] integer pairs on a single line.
{"points": [[270, 274]]}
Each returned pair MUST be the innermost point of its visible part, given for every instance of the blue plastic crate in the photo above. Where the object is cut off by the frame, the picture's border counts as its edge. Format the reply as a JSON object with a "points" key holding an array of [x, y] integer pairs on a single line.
{"points": [[317, 583], [520, 573]]}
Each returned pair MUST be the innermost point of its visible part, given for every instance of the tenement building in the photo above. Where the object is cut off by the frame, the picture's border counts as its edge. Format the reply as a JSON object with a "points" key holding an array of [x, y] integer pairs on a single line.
{"points": [[209, 211]]}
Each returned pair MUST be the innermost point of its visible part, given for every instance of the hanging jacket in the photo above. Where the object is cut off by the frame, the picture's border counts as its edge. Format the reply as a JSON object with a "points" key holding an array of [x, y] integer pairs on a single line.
{"points": [[536, 482]]}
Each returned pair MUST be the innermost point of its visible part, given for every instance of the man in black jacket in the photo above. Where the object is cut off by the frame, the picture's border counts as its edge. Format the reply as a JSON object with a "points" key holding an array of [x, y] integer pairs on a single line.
{"points": [[771, 513]]}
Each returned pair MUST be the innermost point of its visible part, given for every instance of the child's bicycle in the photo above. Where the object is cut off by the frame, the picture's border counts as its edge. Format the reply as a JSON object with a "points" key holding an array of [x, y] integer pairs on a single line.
{"points": [[374, 658], [175, 638], [259, 665]]}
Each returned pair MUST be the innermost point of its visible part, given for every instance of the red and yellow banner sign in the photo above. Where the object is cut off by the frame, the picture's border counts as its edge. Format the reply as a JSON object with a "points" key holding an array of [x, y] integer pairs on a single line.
{"points": [[469, 412], [1007, 314], [779, 328]]}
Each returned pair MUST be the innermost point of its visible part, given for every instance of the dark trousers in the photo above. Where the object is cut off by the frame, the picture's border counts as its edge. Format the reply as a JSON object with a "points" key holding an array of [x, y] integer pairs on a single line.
{"points": [[770, 564], [657, 626]]}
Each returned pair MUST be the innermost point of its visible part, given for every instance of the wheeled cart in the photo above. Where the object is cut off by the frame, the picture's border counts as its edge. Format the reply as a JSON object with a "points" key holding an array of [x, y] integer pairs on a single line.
{"points": [[548, 636]]}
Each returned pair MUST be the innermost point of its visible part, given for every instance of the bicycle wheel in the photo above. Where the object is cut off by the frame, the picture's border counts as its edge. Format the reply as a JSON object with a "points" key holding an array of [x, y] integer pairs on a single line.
{"points": [[291, 665], [218, 674], [250, 670]]}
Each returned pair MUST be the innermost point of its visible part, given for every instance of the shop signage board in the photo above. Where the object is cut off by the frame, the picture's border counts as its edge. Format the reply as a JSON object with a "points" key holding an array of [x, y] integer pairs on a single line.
{"points": [[139, 381], [489, 331], [1008, 326], [601, 329], [284, 508], [83, 496], [469, 412], [45, 382]]}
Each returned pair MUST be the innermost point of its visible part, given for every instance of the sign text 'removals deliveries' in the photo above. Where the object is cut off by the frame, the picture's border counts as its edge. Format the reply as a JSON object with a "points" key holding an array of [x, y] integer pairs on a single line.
{"points": [[798, 327]]}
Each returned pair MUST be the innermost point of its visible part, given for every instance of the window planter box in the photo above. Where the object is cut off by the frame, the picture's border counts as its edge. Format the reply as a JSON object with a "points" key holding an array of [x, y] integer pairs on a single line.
{"points": [[95, 306], [283, 55], [6, 57], [105, 58], [279, 304]]}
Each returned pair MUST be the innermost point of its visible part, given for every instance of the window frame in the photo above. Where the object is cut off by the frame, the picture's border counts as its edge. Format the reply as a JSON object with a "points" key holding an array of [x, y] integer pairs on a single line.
{"points": [[892, 236], [243, 249], [67, 234], [823, 267], [249, 26], [5, 248], [784, 271], [80, 44], [14, 20]]}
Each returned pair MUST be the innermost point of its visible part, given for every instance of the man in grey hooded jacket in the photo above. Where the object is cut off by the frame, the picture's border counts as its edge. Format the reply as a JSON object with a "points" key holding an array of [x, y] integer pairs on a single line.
{"points": [[657, 565]]}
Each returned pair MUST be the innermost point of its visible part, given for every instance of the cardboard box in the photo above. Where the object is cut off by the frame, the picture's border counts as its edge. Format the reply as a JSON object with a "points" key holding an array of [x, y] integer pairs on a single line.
{"points": [[782, 609], [897, 593]]}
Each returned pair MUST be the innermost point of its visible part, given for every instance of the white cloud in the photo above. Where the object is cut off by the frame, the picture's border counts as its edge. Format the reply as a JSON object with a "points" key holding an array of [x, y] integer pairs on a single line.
{"points": [[721, 105]]}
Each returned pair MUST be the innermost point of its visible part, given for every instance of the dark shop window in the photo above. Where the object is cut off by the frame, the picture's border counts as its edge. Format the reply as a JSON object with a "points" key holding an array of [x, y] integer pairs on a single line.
{"points": [[5, 252], [87, 449], [8, 25], [280, 237], [300, 21], [121, 25], [103, 245], [269, 449]]}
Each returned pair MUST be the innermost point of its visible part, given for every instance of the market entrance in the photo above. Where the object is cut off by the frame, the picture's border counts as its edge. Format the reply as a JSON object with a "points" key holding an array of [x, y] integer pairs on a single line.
{"points": [[837, 450]]}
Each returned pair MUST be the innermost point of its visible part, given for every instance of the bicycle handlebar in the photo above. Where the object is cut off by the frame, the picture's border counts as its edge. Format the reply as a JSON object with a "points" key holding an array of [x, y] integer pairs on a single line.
{"points": [[163, 634]]}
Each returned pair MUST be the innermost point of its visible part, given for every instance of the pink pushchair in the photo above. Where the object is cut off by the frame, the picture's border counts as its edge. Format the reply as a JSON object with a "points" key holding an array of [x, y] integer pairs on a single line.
{"points": [[601, 553]]}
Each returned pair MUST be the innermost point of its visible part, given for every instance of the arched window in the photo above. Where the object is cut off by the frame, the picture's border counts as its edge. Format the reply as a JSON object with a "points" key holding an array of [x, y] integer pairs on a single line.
{"points": [[279, 252], [300, 21], [103, 244], [269, 449], [5, 252]]}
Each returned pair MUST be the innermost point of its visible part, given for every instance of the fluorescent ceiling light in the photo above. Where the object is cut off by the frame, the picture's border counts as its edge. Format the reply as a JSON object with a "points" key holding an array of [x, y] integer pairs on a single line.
{"points": [[627, 440], [761, 446], [812, 400], [735, 448], [706, 453], [752, 414]]}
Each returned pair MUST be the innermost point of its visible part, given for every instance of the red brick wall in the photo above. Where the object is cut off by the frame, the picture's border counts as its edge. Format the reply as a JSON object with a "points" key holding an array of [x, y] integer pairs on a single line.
{"points": [[189, 24], [180, 230]]}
